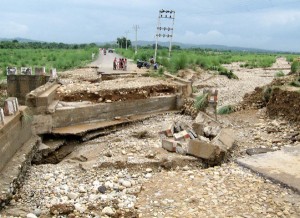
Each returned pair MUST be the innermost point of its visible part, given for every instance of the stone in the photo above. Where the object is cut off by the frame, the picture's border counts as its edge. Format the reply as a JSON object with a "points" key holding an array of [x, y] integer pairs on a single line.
{"points": [[102, 189], [79, 207], [253, 151], [63, 209], [126, 183], [108, 211], [72, 195], [31, 215], [37, 212]]}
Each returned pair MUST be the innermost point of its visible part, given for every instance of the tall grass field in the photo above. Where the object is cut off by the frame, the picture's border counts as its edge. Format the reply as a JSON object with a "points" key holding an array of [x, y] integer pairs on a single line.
{"points": [[61, 59]]}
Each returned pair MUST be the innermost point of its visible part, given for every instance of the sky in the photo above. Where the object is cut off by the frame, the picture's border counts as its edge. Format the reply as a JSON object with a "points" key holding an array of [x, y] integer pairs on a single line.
{"points": [[263, 24]]}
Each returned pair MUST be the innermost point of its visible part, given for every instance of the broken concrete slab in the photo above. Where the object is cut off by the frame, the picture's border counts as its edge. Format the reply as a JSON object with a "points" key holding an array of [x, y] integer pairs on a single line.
{"points": [[182, 136], [203, 149], [224, 140], [206, 125], [12, 175], [281, 166], [253, 151], [168, 129], [169, 144]]}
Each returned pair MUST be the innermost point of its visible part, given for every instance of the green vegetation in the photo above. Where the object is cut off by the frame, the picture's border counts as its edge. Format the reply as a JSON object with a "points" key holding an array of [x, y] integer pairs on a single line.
{"points": [[296, 82], [266, 94], [61, 58], [206, 59], [279, 74], [201, 102], [295, 68], [226, 109]]}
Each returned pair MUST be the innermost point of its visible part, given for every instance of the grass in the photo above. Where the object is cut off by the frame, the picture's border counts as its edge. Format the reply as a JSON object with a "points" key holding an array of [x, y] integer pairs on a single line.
{"points": [[206, 59], [295, 83], [201, 102], [279, 74], [226, 109], [61, 59]]}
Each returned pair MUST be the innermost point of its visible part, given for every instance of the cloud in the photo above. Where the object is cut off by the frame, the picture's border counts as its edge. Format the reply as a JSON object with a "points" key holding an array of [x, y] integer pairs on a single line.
{"points": [[217, 37], [13, 29], [281, 17]]}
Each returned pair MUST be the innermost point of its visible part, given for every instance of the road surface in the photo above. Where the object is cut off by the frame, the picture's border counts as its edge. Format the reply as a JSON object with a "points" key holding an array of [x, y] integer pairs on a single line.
{"points": [[105, 63]]}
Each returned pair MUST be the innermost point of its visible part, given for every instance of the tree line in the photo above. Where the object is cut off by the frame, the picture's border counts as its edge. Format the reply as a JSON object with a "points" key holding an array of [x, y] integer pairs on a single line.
{"points": [[42, 45]]}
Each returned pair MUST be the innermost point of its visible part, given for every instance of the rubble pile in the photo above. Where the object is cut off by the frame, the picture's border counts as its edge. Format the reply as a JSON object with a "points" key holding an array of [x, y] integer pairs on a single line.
{"points": [[205, 139]]}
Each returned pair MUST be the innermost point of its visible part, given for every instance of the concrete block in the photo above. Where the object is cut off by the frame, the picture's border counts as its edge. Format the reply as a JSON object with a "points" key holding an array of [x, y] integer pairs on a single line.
{"points": [[26, 70], [169, 144], [168, 129], [202, 149], [198, 129], [53, 73], [9, 108], [182, 136], [224, 140], [40, 70], [11, 71], [206, 120], [2, 122]]}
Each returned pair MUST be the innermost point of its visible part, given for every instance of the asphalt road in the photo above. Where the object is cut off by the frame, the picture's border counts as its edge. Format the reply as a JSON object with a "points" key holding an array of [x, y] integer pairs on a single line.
{"points": [[105, 63]]}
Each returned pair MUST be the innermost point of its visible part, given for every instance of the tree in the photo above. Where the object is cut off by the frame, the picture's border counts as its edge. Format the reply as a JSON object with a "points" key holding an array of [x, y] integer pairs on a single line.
{"points": [[122, 42]]}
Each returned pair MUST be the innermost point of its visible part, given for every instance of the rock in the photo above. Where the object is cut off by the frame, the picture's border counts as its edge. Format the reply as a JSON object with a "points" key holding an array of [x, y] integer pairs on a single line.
{"points": [[126, 183], [62, 209], [37, 212], [72, 195], [185, 168], [31, 215], [148, 170], [253, 151], [108, 211], [80, 208], [102, 189], [148, 175]]}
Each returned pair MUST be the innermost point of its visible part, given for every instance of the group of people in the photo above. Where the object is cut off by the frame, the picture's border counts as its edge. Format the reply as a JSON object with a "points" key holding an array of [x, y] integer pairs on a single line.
{"points": [[120, 64]]}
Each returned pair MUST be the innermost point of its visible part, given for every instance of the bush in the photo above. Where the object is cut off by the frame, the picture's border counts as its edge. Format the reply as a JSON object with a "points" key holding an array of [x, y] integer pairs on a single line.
{"points": [[295, 68], [201, 102], [179, 63], [226, 109], [296, 83], [266, 94], [161, 71], [229, 74], [279, 74]]}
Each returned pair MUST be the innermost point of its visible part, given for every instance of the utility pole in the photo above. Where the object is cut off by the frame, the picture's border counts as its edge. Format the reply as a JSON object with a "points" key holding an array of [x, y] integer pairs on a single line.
{"points": [[126, 32], [136, 27], [164, 14]]}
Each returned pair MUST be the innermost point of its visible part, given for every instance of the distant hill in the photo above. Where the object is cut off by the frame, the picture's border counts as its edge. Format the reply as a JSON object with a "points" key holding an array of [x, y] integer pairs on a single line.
{"points": [[19, 39], [182, 45], [209, 46]]}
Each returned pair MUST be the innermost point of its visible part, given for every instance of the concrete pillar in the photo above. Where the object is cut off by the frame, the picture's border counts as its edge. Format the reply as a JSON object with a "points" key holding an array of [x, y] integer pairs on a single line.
{"points": [[26, 70], [11, 106], [1, 117], [11, 71], [8, 108], [53, 74], [40, 70]]}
